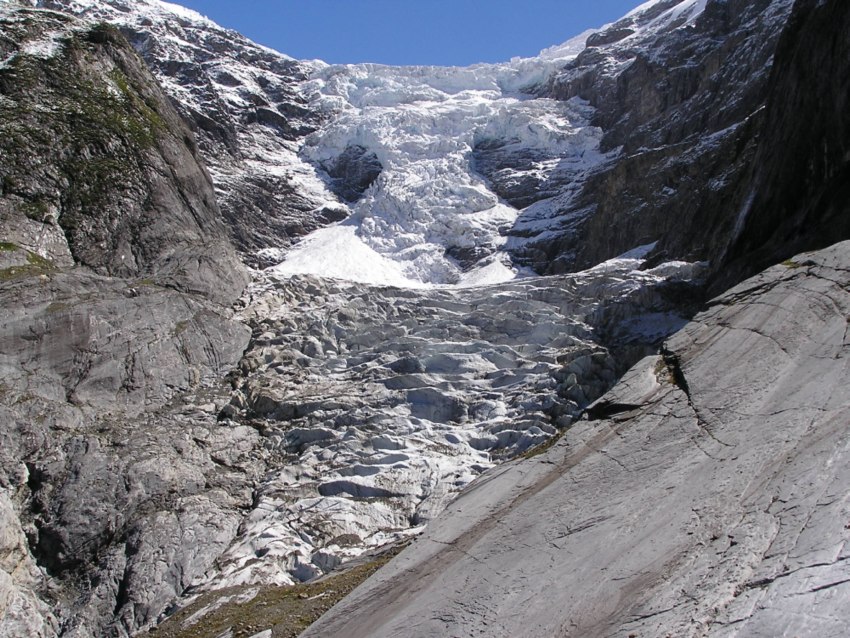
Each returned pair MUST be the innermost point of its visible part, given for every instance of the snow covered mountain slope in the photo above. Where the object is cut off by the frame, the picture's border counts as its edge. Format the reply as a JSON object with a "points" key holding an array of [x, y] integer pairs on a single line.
{"points": [[294, 145], [429, 210], [245, 107], [455, 175]]}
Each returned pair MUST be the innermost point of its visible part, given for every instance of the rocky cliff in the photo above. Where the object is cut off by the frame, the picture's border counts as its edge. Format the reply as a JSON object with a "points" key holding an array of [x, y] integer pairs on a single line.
{"points": [[797, 199], [94, 155], [679, 91], [116, 273]]}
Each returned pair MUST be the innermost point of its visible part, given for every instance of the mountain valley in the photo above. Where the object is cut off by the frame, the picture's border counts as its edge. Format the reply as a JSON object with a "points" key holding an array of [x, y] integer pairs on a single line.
{"points": [[571, 329]]}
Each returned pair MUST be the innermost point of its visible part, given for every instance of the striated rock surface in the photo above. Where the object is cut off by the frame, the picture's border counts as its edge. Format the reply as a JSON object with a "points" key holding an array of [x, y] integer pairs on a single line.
{"points": [[713, 502]]}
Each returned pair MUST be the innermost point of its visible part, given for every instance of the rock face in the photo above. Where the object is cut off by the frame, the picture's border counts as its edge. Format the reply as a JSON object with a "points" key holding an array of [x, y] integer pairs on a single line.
{"points": [[798, 196], [246, 107], [116, 270], [714, 502], [104, 163], [679, 91]]}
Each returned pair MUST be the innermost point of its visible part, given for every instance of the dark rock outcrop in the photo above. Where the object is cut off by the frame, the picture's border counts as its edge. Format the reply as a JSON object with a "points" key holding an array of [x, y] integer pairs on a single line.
{"points": [[352, 172], [799, 197], [685, 113], [509, 172]]}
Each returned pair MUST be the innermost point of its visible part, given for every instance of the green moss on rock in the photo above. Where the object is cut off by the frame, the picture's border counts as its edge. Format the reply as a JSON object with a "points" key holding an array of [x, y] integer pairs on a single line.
{"points": [[68, 119]]}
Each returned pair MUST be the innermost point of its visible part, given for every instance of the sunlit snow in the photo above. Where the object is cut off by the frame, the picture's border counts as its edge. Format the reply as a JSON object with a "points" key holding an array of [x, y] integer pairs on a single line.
{"points": [[422, 123], [337, 252]]}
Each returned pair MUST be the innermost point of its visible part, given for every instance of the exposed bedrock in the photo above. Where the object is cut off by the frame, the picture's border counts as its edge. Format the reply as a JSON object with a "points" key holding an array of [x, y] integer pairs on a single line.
{"points": [[115, 277], [683, 117]]}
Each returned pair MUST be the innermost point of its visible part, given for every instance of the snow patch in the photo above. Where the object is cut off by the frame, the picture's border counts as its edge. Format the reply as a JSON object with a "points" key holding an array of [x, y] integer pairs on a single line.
{"points": [[45, 47], [337, 252], [640, 252]]}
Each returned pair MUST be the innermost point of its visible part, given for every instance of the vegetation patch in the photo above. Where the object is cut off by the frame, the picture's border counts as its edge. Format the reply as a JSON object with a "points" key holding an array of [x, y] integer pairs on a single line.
{"points": [[20, 272], [664, 373], [537, 450], [37, 210], [57, 307], [8, 247], [790, 263], [286, 611], [37, 265], [64, 118], [38, 261]]}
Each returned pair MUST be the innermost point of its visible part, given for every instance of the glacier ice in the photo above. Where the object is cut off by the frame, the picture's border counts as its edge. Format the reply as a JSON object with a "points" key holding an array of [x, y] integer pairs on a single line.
{"points": [[423, 123]]}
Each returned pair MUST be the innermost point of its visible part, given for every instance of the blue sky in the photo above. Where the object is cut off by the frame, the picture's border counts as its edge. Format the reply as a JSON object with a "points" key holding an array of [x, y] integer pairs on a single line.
{"points": [[444, 32]]}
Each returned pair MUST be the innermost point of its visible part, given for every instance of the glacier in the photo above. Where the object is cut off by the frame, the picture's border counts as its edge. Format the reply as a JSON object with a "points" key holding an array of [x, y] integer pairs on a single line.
{"points": [[398, 348], [422, 124]]}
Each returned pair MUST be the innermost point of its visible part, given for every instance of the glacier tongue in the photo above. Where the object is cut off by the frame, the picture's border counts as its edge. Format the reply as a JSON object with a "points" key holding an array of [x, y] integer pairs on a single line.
{"points": [[382, 403]]}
